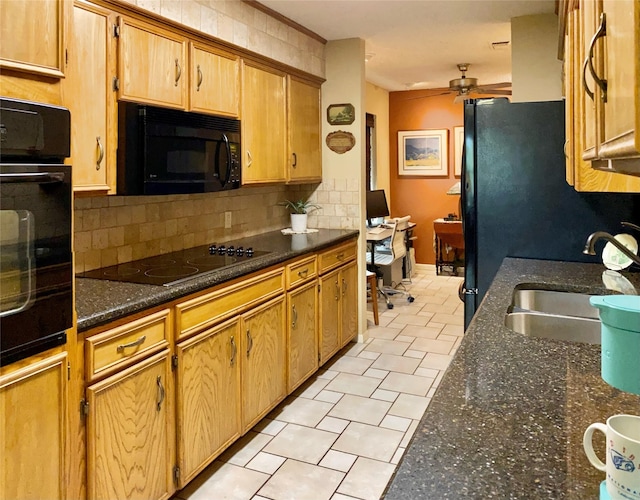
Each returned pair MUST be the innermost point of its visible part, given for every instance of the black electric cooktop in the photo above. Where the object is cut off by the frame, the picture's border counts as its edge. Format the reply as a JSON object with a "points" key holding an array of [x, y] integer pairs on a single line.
{"points": [[175, 267]]}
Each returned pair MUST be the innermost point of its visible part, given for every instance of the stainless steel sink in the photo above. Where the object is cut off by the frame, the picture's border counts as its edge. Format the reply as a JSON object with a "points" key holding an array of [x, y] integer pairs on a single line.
{"points": [[554, 302], [553, 314], [554, 326]]}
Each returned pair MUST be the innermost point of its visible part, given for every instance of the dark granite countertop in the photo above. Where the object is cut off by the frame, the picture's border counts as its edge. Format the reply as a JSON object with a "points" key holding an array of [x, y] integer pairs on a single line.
{"points": [[508, 417], [102, 301]]}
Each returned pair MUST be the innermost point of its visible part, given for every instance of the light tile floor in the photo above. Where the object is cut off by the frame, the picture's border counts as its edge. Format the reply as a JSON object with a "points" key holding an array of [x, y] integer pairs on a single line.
{"points": [[341, 435]]}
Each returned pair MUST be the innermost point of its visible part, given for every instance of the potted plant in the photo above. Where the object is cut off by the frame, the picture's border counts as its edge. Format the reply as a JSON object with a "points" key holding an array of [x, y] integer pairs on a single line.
{"points": [[299, 210]]}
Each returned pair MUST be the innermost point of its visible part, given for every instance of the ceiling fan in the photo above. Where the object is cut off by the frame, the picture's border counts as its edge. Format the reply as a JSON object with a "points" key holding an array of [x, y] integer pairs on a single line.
{"points": [[465, 87]]}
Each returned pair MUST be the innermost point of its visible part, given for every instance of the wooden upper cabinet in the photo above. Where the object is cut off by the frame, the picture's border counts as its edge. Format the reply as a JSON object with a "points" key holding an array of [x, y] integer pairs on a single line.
{"points": [[621, 113], [33, 36], [214, 85], [88, 93], [305, 162], [152, 65], [263, 125], [585, 107]]}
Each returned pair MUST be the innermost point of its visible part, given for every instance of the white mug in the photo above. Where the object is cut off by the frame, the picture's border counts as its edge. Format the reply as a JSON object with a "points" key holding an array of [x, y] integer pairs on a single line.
{"points": [[622, 466]]}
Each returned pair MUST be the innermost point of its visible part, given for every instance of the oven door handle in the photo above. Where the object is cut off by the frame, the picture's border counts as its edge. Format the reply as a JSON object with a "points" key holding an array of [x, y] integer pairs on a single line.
{"points": [[39, 177], [228, 166]]}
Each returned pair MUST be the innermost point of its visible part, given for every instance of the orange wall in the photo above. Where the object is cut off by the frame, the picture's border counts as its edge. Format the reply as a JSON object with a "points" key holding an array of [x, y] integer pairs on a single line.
{"points": [[424, 198]]}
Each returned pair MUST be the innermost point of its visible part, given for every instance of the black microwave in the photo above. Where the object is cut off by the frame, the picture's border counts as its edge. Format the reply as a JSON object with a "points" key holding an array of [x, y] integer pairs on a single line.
{"points": [[167, 151]]}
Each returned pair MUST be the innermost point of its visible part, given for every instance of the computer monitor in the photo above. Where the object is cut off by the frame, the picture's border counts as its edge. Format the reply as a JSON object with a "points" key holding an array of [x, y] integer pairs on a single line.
{"points": [[376, 205]]}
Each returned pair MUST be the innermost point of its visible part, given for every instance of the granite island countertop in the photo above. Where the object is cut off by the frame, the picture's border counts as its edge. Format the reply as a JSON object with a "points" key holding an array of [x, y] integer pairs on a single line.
{"points": [[101, 301], [508, 417]]}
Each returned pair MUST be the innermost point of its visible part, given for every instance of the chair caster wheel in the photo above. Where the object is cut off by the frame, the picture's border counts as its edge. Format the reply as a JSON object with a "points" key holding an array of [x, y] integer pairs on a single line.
{"points": [[410, 299], [389, 306]]}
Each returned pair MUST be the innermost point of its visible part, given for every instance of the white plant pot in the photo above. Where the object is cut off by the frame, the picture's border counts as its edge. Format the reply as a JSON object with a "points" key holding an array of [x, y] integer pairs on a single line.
{"points": [[299, 222]]}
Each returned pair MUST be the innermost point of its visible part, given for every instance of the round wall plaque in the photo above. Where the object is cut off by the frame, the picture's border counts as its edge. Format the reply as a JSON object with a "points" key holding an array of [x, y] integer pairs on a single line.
{"points": [[340, 141]]}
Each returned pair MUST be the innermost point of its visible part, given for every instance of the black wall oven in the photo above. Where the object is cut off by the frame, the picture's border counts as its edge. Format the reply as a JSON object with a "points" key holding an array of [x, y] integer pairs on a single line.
{"points": [[36, 274]]}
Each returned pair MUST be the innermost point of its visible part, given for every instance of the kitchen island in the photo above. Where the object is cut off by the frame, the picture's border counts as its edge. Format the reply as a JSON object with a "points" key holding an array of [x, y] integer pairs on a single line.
{"points": [[508, 417], [101, 301]]}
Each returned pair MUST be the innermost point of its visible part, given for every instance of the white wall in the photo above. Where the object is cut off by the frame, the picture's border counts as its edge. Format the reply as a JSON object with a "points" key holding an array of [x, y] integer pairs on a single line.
{"points": [[536, 70], [343, 175]]}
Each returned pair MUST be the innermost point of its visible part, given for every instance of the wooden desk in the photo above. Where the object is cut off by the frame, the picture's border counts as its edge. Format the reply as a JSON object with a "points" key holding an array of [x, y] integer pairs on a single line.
{"points": [[449, 243]]}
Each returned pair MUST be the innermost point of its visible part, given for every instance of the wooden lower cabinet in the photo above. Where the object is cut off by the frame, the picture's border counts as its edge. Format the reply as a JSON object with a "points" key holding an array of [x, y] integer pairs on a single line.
{"points": [[263, 361], [207, 396], [34, 430], [338, 309], [302, 331], [129, 433]]}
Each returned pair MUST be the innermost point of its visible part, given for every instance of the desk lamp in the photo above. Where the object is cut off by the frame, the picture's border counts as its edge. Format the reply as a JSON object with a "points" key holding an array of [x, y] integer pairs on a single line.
{"points": [[453, 190]]}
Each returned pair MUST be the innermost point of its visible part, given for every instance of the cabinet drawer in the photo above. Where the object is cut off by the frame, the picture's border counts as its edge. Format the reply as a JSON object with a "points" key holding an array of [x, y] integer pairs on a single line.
{"points": [[336, 256], [195, 314], [301, 271], [109, 351]]}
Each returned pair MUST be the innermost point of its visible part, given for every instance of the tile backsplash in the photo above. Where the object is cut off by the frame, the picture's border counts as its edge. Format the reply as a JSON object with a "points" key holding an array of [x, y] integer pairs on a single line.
{"points": [[112, 230], [115, 229]]}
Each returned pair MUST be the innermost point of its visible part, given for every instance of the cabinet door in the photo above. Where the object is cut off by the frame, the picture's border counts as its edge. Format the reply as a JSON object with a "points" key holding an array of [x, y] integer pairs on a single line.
{"points": [[263, 361], [33, 36], [263, 126], [591, 101], [87, 92], [330, 322], [305, 162], [349, 303], [129, 440], [33, 425], [621, 137], [151, 65], [208, 397], [215, 81], [302, 309]]}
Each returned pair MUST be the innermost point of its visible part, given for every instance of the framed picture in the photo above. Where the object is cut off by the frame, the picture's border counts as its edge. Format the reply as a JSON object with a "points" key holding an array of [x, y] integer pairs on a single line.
{"points": [[458, 142], [423, 153], [341, 114]]}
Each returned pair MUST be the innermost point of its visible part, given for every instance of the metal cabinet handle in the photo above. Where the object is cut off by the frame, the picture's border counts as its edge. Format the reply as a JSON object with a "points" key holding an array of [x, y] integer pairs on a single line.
{"points": [[303, 273], [234, 350], [39, 177], [178, 72], [294, 313], [344, 287], [135, 343], [250, 158], [340, 256], [584, 78], [337, 290], [100, 154], [199, 78], [160, 392], [250, 343], [601, 32], [295, 160], [564, 148]]}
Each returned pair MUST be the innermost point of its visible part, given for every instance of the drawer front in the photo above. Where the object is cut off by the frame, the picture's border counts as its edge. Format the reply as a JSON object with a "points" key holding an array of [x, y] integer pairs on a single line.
{"points": [[336, 256], [301, 271], [195, 314], [110, 351]]}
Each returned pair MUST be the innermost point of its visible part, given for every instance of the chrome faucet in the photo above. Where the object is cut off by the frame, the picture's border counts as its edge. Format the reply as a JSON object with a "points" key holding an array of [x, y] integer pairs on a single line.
{"points": [[589, 248]]}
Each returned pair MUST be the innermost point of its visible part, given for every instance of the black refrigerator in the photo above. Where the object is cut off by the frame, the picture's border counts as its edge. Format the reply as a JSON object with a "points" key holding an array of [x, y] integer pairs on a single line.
{"points": [[515, 199]]}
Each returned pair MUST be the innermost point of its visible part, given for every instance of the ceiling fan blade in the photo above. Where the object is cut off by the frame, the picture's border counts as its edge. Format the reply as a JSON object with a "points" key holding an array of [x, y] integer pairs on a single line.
{"points": [[484, 90], [496, 85], [428, 95]]}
